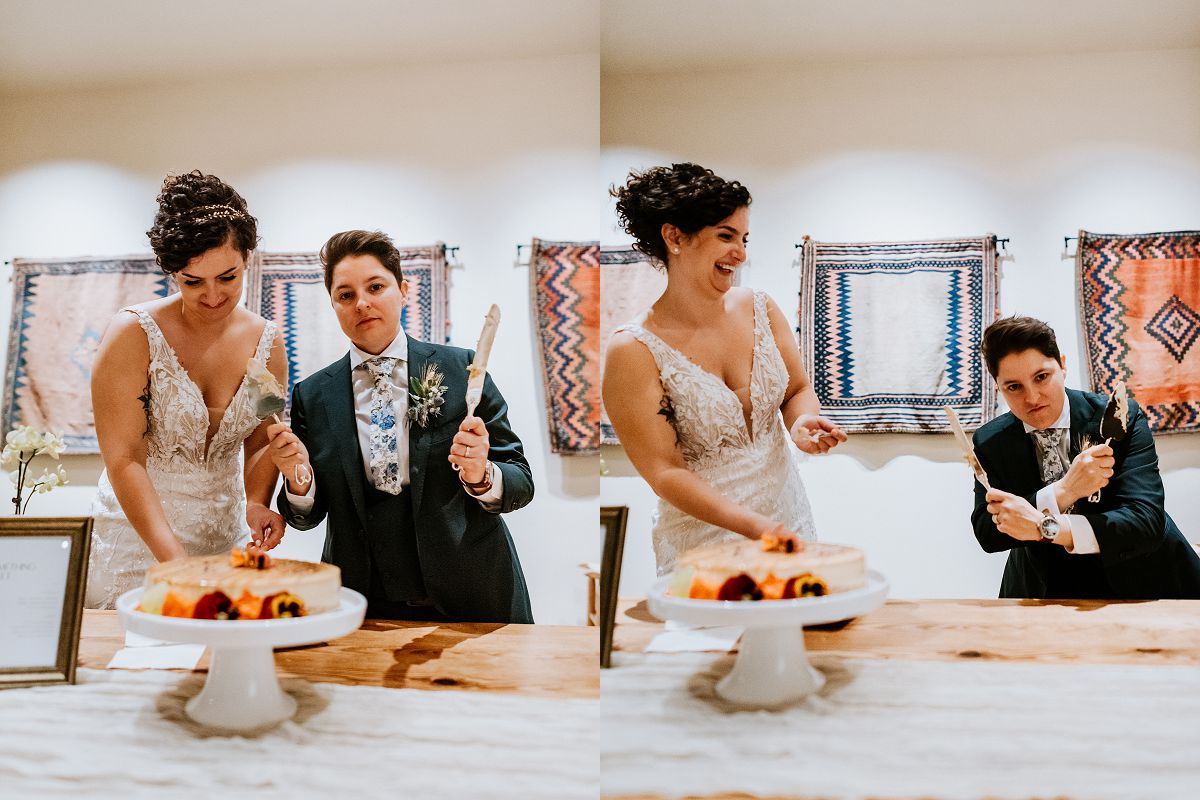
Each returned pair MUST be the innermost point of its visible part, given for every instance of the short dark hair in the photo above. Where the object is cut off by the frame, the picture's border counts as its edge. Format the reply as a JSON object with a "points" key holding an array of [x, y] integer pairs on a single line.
{"points": [[197, 212], [1016, 335], [686, 195], [360, 243]]}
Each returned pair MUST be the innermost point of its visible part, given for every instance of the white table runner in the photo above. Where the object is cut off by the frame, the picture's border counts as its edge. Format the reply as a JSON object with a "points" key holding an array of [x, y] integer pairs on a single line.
{"points": [[124, 735], [891, 728]]}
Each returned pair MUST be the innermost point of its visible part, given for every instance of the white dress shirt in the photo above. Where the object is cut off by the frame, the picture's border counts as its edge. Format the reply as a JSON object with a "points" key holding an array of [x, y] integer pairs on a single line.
{"points": [[1083, 538], [362, 384]]}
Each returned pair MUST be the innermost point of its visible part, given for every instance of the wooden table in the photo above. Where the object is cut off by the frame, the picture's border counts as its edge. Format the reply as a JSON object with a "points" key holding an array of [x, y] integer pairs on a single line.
{"points": [[535, 660], [1162, 632]]}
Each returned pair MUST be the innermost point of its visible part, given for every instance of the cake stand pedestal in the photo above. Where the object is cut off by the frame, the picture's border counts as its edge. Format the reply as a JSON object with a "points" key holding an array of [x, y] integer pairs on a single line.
{"points": [[772, 666], [242, 691]]}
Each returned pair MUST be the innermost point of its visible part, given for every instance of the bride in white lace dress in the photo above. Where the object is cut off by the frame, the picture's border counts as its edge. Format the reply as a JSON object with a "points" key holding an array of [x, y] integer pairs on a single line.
{"points": [[706, 390], [172, 407]]}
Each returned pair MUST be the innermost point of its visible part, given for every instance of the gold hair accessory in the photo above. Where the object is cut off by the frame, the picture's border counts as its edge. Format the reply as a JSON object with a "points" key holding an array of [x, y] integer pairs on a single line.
{"points": [[220, 211]]}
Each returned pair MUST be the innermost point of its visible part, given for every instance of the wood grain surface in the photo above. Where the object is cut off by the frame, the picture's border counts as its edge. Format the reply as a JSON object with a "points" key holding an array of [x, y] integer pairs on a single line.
{"points": [[1083, 631], [535, 660]]}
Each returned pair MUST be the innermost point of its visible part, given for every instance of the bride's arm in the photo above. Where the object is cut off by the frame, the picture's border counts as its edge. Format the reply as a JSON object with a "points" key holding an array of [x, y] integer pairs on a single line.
{"points": [[633, 398], [120, 399], [800, 407], [259, 473]]}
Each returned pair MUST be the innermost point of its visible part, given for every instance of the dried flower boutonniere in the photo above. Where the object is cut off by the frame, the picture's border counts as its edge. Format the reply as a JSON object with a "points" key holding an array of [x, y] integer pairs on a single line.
{"points": [[426, 395]]}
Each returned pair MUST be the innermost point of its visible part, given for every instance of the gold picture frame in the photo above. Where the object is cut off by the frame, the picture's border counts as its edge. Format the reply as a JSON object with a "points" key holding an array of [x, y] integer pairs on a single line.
{"points": [[612, 520], [19, 549]]}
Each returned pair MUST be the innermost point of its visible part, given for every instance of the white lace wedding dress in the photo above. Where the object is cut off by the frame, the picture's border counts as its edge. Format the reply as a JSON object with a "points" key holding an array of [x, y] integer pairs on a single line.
{"points": [[200, 485], [755, 468]]}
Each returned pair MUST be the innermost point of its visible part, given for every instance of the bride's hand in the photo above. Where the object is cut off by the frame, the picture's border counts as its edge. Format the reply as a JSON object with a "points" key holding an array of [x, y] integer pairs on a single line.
{"points": [[266, 526], [777, 533], [815, 435]]}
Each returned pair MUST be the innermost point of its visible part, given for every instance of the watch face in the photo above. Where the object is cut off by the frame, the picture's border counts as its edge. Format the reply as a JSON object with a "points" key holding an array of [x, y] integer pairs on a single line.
{"points": [[1050, 527]]}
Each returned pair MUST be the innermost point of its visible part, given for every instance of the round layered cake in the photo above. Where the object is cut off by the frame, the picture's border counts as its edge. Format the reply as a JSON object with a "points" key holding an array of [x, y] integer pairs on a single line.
{"points": [[243, 585], [771, 569]]}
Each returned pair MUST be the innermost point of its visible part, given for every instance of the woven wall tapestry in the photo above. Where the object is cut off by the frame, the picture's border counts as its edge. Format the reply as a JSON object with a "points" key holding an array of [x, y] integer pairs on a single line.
{"points": [[289, 288], [1139, 297], [565, 282], [629, 284], [890, 331], [60, 310]]}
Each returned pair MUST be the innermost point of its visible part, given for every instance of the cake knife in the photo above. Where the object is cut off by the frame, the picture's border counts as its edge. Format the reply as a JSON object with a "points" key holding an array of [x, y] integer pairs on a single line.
{"points": [[1115, 422], [968, 450], [477, 371]]}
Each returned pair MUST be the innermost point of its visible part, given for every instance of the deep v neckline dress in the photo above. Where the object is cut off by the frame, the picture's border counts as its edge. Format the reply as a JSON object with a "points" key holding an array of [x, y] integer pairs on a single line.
{"points": [[753, 466], [199, 481]]}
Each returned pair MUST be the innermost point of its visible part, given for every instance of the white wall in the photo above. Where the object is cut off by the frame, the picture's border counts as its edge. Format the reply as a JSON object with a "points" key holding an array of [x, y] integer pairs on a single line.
{"points": [[1030, 148], [480, 155]]}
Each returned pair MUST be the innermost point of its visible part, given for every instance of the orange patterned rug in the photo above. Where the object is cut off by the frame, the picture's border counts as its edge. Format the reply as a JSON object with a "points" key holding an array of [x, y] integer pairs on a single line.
{"points": [[1140, 308], [565, 279]]}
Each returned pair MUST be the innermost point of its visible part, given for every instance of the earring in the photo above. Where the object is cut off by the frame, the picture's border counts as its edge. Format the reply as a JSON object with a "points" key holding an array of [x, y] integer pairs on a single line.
{"points": [[675, 251]]}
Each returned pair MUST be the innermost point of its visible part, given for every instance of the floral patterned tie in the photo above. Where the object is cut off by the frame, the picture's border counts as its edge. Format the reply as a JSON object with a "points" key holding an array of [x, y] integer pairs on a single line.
{"points": [[385, 466], [1050, 441]]}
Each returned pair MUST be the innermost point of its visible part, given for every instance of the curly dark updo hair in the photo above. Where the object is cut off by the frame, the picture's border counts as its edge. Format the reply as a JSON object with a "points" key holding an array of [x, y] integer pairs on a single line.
{"points": [[197, 212], [688, 196]]}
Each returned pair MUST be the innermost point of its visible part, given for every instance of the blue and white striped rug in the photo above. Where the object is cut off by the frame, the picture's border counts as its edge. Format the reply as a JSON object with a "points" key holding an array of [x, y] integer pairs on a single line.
{"points": [[890, 331]]}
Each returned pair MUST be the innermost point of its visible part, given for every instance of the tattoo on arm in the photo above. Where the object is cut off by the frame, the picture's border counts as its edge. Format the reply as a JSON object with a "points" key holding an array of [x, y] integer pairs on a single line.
{"points": [[144, 397], [667, 410]]}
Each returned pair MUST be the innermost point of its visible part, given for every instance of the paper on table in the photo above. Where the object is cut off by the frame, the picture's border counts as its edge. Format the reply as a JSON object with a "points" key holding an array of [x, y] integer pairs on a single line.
{"points": [[679, 639], [137, 640], [168, 656]]}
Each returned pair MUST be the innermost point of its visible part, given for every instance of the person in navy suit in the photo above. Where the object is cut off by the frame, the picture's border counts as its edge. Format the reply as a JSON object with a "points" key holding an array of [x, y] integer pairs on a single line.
{"points": [[412, 488], [1045, 458]]}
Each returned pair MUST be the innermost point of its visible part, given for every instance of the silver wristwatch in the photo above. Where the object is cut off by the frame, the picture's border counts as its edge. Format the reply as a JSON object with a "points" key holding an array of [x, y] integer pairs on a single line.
{"points": [[1049, 527]]}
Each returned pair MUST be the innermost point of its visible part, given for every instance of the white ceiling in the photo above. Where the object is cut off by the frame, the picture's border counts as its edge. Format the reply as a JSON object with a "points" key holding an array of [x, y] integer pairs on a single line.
{"points": [[48, 44], [51, 44], [644, 35]]}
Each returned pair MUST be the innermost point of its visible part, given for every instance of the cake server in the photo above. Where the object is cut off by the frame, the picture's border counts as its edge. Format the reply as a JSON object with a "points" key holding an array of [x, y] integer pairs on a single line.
{"points": [[269, 401], [1115, 422], [968, 450], [478, 369]]}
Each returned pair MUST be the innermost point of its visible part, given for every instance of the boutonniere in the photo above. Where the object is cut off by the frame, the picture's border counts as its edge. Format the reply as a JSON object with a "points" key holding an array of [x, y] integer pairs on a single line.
{"points": [[426, 395]]}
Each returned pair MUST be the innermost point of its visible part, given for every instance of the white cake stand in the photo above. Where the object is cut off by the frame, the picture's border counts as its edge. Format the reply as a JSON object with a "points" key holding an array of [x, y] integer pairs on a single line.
{"points": [[772, 666], [242, 691]]}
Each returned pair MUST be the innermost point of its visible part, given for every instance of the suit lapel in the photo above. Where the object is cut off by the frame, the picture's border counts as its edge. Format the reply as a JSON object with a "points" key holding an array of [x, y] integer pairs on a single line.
{"points": [[1019, 444], [339, 411], [1085, 421], [419, 353]]}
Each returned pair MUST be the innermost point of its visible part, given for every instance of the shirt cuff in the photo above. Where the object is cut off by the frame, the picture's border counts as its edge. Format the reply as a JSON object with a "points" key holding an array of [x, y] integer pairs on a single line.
{"points": [[1083, 537], [1046, 501], [490, 500], [302, 503]]}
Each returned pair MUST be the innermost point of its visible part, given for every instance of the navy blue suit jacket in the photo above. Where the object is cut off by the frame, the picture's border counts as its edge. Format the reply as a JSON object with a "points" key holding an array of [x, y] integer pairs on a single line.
{"points": [[1143, 552], [468, 561]]}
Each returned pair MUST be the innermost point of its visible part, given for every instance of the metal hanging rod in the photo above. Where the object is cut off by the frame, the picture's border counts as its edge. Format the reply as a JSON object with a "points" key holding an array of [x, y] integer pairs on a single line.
{"points": [[451, 250], [1002, 243]]}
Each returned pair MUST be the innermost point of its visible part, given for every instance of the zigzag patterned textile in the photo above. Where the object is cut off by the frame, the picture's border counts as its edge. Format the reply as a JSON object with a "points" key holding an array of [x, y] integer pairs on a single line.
{"points": [[890, 331], [1139, 297], [629, 284], [289, 288], [60, 310], [565, 280]]}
